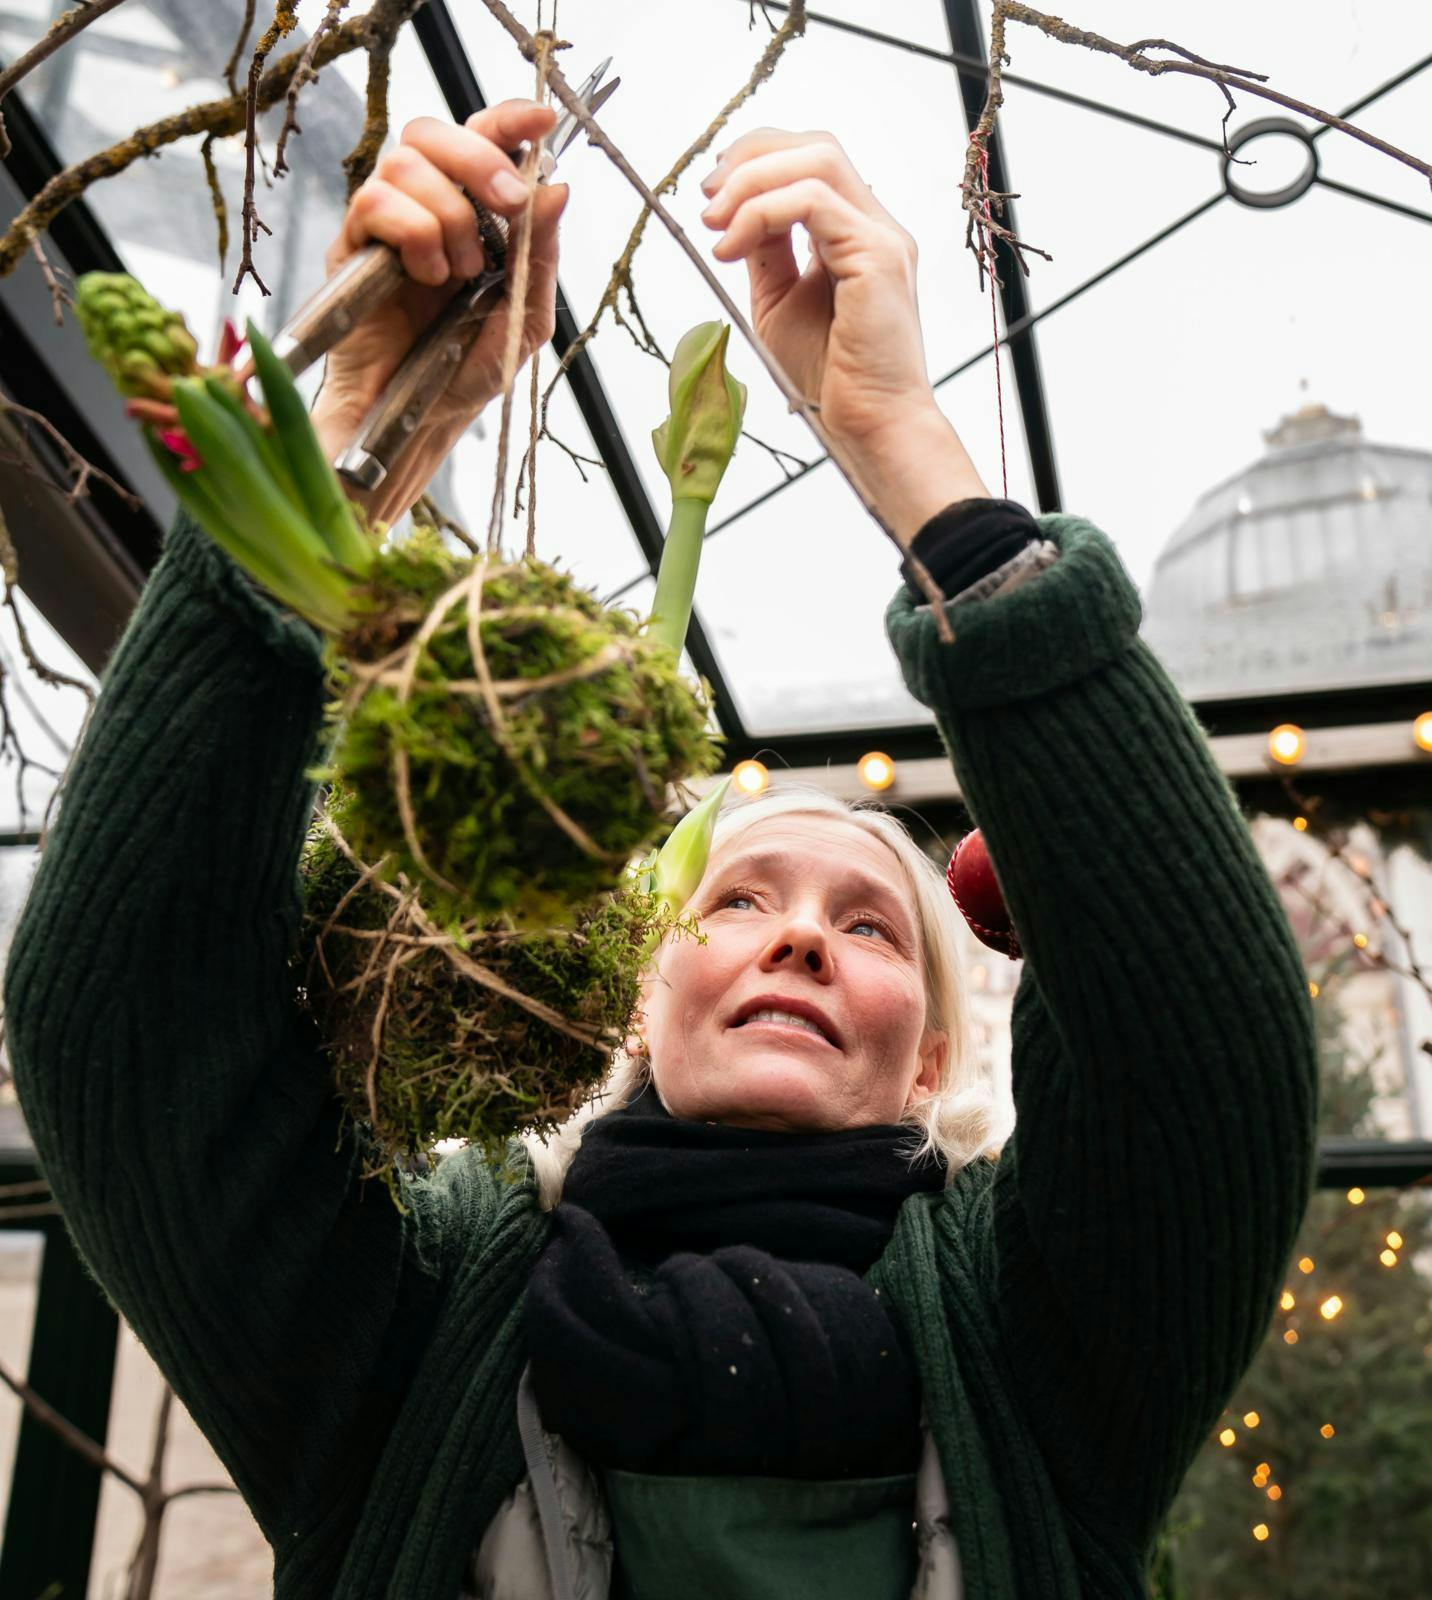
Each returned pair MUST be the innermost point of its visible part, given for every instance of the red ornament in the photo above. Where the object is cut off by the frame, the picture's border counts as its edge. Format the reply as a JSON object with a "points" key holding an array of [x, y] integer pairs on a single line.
{"points": [[976, 891]]}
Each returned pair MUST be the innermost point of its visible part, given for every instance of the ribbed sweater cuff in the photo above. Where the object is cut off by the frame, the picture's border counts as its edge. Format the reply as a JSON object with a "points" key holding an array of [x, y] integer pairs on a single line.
{"points": [[211, 570], [1069, 621]]}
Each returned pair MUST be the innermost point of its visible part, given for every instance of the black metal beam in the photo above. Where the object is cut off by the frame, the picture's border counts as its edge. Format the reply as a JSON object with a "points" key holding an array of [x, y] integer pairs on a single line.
{"points": [[1373, 1163], [443, 46], [966, 41]]}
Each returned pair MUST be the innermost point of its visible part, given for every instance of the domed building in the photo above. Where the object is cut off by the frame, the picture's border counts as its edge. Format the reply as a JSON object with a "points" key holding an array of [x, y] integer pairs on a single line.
{"points": [[1309, 569]]}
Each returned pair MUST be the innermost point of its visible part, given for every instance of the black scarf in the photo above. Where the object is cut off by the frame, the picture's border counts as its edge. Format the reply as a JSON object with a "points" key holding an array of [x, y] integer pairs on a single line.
{"points": [[700, 1307]]}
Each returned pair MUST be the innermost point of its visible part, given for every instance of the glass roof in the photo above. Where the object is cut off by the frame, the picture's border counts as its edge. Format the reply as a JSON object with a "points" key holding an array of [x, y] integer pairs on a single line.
{"points": [[1160, 381]]}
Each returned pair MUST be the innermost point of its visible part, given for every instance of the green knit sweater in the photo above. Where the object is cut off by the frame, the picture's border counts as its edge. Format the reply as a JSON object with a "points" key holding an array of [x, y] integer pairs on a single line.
{"points": [[1079, 1310]]}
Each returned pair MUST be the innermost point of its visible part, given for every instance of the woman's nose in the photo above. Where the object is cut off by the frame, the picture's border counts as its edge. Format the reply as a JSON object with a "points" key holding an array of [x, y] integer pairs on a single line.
{"points": [[799, 943]]}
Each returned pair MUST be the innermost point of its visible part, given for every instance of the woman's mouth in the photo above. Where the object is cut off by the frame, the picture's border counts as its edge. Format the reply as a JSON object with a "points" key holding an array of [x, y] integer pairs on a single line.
{"points": [[786, 1022]]}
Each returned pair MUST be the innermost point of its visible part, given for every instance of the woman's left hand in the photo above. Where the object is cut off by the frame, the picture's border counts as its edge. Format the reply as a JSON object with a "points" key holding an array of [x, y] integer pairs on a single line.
{"points": [[846, 329]]}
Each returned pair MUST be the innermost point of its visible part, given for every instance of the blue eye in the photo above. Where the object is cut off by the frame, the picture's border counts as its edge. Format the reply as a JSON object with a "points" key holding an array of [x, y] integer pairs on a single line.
{"points": [[865, 923]]}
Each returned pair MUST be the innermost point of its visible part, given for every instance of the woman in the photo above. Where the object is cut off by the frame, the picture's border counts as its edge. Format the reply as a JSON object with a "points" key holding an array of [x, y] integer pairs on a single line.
{"points": [[790, 1330]]}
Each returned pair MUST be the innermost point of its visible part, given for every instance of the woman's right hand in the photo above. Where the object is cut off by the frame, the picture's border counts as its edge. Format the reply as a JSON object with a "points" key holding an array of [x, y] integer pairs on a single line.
{"points": [[415, 201]]}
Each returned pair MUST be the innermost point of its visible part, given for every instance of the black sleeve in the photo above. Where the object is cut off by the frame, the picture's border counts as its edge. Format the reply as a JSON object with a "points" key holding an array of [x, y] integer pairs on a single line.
{"points": [[967, 541]]}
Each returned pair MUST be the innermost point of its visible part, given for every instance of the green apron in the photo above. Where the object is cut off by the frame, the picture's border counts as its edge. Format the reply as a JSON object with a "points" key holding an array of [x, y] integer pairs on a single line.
{"points": [[762, 1538]]}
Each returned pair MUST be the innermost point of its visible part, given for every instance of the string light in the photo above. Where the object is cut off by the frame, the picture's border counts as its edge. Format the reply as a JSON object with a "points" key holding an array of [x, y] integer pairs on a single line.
{"points": [[1306, 1264], [750, 777], [1287, 1302], [1286, 744], [1313, 989], [1360, 940], [1274, 1492], [1388, 1258], [1331, 1306], [1422, 731], [877, 770], [1291, 1336], [1394, 1239], [1355, 1196], [1227, 1437], [1263, 1470], [1260, 1533], [1301, 824], [1251, 1419], [1327, 1430]]}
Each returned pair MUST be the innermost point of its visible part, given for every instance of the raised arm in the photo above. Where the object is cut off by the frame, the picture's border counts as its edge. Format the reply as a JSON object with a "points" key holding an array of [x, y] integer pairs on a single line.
{"points": [[1164, 1064]]}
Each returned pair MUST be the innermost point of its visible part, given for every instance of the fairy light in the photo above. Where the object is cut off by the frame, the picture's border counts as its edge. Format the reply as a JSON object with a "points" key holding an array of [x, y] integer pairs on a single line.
{"points": [[1262, 1470], [1394, 1240], [750, 777], [1306, 1264], [1313, 989], [1286, 1300], [877, 770], [1388, 1258], [1360, 940], [1291, 1336], [1274, 1492], [1251, 1419], [1331, 1306], [1286, 744], [1422, 731], [1260, 1533], [1327, 1430], [1355, 1196], [1227, 1437], [1301, 824]]}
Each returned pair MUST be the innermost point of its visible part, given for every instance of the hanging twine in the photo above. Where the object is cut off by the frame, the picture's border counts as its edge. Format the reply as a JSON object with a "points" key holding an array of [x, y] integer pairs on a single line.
{"points": [[994, 316], [517, 303]]}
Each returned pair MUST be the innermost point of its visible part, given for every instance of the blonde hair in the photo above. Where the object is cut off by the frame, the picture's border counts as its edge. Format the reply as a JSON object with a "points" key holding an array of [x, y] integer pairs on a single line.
{"points": [[961, 1119]]}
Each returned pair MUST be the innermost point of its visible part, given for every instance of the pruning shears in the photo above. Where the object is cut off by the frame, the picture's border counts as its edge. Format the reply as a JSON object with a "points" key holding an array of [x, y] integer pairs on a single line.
{"points": [[374, 273]]}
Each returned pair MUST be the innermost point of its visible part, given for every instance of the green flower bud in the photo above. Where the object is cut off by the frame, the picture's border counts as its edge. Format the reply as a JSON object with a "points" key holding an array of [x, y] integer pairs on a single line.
{"points": [[122, 321], [681, 862], [695, 443]]}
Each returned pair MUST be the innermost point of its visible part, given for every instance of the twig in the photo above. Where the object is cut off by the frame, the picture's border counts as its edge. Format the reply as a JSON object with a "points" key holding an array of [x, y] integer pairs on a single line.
{"points": [[427, 509], [797, 401], [285, 20], [45, 1414], [84, 470], [981, 203], [59, 295], [218, 117], [231, 66], [304, 75], [620, 279], [216, 197], [60, 31]]}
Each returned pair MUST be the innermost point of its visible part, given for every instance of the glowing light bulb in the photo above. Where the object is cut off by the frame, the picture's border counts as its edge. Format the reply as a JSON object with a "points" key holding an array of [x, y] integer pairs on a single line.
{"points": [[1274, 1492], [1394, 1239], [1355, 1196], [1360, 940], [1227, 1437], [1259, 1479], [1301, 824], [1286, 1301], [1331, 1306], [1286, 744], [1388, 1258], [1251, 1419], [1306, 1264], [877, 770], [750, 777], [1263, 1469], [1291, 1336], [1260, 1533], [1313, 990], [1422, 731], [1327, 1430]]}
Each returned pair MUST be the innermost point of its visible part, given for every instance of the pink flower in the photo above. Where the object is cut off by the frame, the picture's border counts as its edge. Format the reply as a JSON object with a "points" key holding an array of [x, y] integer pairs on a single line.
{"points": [[231, 341], [176, 441]]}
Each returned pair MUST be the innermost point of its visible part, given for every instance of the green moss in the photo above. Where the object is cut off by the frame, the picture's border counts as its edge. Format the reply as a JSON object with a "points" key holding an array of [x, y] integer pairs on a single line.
{"points": [[455, 1059], [603, 748]]}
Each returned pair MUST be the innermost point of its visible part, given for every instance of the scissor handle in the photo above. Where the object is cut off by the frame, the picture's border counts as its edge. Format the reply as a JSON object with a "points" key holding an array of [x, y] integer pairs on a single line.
{"points": [[424, 374], [364, 280]]}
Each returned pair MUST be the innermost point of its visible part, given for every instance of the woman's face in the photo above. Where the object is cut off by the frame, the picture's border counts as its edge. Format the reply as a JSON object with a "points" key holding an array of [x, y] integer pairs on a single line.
{"points": [[804, 914]]}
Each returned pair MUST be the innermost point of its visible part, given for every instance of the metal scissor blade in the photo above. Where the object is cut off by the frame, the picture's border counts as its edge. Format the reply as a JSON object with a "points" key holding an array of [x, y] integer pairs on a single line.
{"points": [[591, 97]]}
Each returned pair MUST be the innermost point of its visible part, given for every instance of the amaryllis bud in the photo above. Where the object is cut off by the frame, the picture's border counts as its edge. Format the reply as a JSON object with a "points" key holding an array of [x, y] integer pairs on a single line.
{"points": [[695, 443]]}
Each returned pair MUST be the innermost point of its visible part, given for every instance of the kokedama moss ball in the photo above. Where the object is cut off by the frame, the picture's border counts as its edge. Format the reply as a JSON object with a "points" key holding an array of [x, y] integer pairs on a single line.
{"points": [[533, 766], [450, 1056]]}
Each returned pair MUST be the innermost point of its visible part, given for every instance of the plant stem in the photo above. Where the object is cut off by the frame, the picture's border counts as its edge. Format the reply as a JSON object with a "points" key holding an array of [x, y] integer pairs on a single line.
{"points": [[676, 577]]}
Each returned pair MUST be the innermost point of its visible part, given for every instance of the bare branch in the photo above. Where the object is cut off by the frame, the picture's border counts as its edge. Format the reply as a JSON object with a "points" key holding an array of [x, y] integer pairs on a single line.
{"points": [[60, 31], [231, 66], [797, 401], [304, 75], [45, 1413], [60, 297], [285, 20]]}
